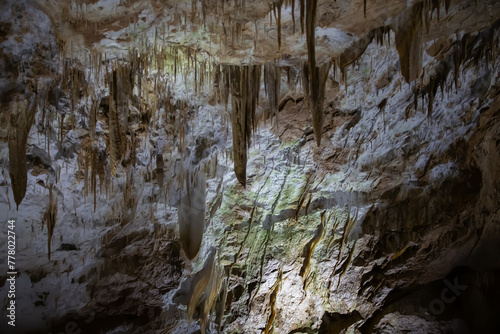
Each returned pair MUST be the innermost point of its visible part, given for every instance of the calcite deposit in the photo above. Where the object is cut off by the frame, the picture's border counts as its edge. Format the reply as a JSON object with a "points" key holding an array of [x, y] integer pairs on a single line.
{"points": [[251, 166]]}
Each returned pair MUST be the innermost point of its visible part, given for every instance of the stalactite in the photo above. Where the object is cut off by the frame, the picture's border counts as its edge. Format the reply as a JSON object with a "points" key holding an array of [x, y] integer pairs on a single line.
{"points": [[97, 169], [380, 33], [225, 85], [271, 14], [408, 30], [314, 92], [245, 85], [160, 175], [302, 15], [289, 77], [72, 80], [61, 130], [93, 116], [239, 126], [314, 78], [116, 135], [447, 4], [22, 116], [90, 162], [50, 217], [279, 4], [272, 80], [195, 73]]}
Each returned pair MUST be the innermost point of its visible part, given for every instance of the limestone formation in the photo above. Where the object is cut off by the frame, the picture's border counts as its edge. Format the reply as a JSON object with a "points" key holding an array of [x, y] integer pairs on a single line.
{"points": [[263, 166]]}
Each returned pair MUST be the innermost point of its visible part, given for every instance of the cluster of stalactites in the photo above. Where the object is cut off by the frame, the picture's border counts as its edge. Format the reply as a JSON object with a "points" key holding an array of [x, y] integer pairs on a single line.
{"points": [[210, 16], [231, 16], [92, 161], [408, 28], [73, 81], [470, 49], [244, 86], [275, 9]]}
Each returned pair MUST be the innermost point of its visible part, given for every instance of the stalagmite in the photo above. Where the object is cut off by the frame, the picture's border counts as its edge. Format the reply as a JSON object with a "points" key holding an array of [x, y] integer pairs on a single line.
{"points": [[210, 294], [200, 283], [191, 214]]}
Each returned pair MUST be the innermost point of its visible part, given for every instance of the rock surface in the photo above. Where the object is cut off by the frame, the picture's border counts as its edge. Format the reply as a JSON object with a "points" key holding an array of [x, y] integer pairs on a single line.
{"points": [[117, 145]]}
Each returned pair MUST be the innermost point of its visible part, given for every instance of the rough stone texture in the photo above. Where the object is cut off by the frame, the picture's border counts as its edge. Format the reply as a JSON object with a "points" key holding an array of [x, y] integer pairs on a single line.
{"points": [[392, 225]]}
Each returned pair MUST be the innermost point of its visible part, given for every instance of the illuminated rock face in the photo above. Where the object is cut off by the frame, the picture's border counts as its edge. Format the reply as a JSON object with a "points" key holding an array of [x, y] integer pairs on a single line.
{"points": [[252, 166]]}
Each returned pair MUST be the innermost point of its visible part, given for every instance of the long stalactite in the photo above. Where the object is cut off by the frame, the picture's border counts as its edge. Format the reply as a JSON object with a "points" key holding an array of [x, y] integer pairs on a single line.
{"points": [[50, 217], [244, 87], [272, 80], [22, 116], [116, 135], [314, 78], [408, 30]]}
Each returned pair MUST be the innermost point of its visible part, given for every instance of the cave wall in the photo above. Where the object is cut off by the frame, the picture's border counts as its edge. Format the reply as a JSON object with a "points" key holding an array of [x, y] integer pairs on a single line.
{"points": [[241, 167]]}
